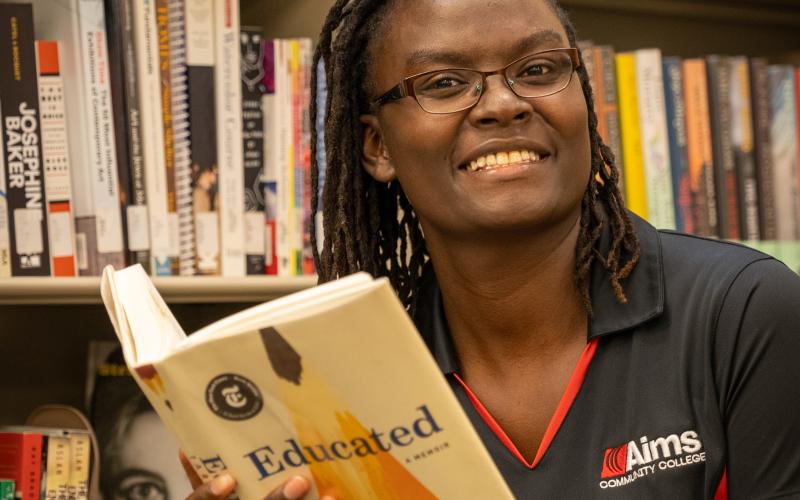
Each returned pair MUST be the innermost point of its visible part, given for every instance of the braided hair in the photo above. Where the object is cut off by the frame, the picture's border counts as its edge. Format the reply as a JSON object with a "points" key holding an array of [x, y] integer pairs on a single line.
{"points": [[371, 226]]}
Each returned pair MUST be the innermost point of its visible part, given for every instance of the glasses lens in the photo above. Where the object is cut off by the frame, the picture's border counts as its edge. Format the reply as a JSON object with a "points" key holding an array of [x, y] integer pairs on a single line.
{"points": [[541, 74], [448, 91]]}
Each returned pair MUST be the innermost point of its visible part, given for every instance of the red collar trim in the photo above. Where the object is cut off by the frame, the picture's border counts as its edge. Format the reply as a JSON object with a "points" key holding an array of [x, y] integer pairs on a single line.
{"points": [[571, 391]]}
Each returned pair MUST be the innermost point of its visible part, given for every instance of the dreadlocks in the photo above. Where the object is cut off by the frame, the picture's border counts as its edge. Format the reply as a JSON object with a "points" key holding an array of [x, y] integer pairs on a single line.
{"points": [[371, 226]]}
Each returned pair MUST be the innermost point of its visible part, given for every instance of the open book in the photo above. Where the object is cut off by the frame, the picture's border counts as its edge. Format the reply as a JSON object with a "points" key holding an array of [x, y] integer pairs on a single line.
{"points": [[333, 382]]}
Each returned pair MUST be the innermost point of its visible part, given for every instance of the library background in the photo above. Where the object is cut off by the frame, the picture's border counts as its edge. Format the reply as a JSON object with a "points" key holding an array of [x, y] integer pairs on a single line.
{"points": [[706, 127]]}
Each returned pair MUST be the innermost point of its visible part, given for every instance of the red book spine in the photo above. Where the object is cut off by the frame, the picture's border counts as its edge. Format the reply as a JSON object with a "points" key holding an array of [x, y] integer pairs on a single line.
{"points": [[21, 460]]}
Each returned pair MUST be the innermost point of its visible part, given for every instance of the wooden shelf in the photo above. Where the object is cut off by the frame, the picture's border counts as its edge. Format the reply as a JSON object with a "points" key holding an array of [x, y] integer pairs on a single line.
{"points": [[20, 291]]}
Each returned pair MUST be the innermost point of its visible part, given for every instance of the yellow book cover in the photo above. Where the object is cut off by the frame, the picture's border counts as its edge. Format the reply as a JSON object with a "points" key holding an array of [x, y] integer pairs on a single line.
{"points": [[333, 382], [633, 161]]}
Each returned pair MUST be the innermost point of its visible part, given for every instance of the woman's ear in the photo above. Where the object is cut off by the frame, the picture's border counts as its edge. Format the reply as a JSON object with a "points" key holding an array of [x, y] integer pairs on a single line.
{"points": [[375, 157]]}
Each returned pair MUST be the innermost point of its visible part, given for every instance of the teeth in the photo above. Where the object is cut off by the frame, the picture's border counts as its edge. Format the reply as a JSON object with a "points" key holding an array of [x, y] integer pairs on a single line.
{"points": [[502, 158]]}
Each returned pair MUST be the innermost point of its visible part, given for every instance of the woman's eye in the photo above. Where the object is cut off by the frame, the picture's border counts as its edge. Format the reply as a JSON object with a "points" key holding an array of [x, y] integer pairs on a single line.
{"points": [[443, 83], [144, 491], [537, 69]]}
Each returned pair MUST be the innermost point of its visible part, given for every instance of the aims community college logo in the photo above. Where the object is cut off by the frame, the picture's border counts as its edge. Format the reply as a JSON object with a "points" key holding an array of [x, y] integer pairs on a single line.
{"points": [[233, 397], [628, 462]]}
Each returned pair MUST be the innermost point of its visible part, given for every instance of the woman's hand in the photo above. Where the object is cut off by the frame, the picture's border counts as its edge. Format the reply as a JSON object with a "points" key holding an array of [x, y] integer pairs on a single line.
{"points": [[223, 486]]}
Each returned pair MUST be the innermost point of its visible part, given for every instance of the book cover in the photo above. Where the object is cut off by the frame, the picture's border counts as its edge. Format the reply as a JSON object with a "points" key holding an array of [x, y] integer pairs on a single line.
{"points": [[21, 461], [290, 388], [181, 137], [199, 16], [270, 109], [252, 71], [228, 98], [698, 148], [170, 266], [25, 182], [783, 141], [58, 467], [654, 138], [676, 128], [719, 102], [762, 149], [635, 185], [152, 127], [55, 156], [606, 106], [742, 143], [127, 128]]}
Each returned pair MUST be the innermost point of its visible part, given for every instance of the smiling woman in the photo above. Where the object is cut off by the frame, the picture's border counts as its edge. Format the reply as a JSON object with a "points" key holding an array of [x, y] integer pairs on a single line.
{"points": [[595, 355]]}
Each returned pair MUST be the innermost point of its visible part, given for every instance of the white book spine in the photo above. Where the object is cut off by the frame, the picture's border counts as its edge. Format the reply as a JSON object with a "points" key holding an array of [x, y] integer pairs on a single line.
{"points": [[5, 242], [180, 137], [283, 97], [152, 130], [655, 141], [229, 136], [100, 130]]}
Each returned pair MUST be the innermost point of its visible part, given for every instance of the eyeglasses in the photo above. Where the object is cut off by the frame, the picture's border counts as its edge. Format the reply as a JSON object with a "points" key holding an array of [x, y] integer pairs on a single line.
{"points": [[451, 90]]}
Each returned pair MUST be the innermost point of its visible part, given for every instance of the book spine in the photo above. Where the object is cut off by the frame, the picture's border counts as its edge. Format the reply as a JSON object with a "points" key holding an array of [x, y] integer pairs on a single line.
{"points": [[271, 155], [635, 187], [199, 15], [58, 467], [783, 131], [152, 126], [100, 132], [21, 460], [676, 121], [252, 71], [322, 162], [125, 100], [5, 242], [719, 99], [607, 110], [742, 143], [55, 155], [181, 137], [762, 149], [79, 461], [296, 166], [306, 53], [25, 182], [229, 136], [654, 138], [698, 147], [162, 25], [285, 171], [8, 489]]}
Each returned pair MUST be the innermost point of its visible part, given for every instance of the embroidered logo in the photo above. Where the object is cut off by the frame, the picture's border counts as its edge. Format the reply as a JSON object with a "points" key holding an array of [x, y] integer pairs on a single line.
{"points": [[628, 462]]}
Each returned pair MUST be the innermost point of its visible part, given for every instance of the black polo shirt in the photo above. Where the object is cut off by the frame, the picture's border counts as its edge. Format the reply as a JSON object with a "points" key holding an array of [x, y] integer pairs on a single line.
{"points": [[691, 386]]}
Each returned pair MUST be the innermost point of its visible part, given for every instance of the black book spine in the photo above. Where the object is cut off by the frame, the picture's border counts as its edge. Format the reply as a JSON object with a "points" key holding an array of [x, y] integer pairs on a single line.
{"points": [[742, 143], [759, 78], [724, 164], [22, 148]]}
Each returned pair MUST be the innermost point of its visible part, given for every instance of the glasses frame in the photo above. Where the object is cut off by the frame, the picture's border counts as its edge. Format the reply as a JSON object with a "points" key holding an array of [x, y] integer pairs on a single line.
{"points": [[406, 87]]}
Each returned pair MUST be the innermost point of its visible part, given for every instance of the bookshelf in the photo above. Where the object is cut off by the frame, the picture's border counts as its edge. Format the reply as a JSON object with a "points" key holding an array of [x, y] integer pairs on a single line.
{"points": [[46, 324]]}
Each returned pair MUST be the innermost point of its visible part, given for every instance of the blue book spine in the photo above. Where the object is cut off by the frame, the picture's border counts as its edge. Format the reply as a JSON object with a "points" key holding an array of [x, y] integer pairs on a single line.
{"points": [[676, 126]]}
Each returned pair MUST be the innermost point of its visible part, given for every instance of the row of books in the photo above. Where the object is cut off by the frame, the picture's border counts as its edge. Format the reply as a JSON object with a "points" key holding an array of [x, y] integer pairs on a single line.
{"points": [[706, 145], [157, 132], [44, 464]]}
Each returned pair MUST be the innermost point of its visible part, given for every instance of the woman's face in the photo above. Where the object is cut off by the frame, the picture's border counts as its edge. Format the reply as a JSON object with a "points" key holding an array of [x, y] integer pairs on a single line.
{"points": [[428, 153]]}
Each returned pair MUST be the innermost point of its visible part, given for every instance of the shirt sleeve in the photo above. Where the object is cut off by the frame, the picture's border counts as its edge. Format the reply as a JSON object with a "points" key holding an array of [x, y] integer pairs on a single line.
{"points": [[757, 373]]}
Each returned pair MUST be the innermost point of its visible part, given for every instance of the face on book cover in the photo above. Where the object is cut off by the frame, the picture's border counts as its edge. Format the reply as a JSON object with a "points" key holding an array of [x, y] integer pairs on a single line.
{"points": [[427, 152]]}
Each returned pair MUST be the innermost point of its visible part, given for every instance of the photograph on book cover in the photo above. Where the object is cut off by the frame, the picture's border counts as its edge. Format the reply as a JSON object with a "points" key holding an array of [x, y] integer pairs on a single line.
{"points": [[138, 456]]}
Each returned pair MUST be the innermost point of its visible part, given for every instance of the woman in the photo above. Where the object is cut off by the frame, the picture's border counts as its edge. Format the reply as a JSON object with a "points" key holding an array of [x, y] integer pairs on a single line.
{"points": [[596, 356]]}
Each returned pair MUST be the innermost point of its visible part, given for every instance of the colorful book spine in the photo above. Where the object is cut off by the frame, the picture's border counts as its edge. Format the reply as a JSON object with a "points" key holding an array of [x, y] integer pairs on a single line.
{"points": [[181, 137], [56, 485], [55, 153], [679, 160], [306, 54], [21, 134], [252, 71], [698, 148], [199, 16], [296, 165], [654, 138], [605, 101], [152, 126], [719, 99], [271, 155], [21, 461], [127, 116], [742, 143], [229, 136], [783, 132], [170, 267], [759, 77], [79, 462], [635, 186]]}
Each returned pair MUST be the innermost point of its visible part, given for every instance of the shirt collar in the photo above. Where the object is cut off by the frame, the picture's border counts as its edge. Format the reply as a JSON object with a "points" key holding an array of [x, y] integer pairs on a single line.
{"points": [[644, 289]]}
